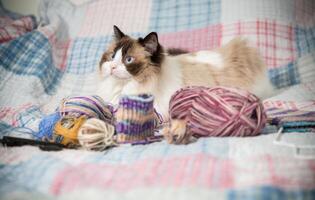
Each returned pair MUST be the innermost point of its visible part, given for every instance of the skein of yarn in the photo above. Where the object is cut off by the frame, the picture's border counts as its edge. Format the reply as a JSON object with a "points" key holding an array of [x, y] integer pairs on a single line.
{"points": [[96, 134], [135, 118], [90, 106], [217, 111]]}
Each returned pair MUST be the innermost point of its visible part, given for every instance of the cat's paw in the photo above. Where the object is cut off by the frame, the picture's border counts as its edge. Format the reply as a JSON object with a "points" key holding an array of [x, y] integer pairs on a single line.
{"points": [[177, 132]]}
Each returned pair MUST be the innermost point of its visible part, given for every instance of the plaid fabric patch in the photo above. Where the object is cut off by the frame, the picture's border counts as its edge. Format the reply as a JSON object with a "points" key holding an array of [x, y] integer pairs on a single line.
{"points": [[305, 40], [250, 10], [85, 54], [273, 193], [5, 128], [284, 76], [197, 170], [194, 40], [10, 29], [129, 16], [194, 170], [28, 115], [306, 66], [30, 54], [179, 15], [275, 41]]}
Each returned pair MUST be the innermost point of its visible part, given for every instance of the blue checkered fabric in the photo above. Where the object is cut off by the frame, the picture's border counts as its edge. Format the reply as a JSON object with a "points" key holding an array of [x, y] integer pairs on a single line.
{"points": [[31, 54], [305, 40], [270, 193], [5, 128], [29, 115], [171, 16], [284, 76], [85, 54]]}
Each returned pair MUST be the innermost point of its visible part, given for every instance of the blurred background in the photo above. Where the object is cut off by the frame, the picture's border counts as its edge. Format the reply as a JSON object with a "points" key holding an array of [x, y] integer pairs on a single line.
{"points": [[25, 7]]}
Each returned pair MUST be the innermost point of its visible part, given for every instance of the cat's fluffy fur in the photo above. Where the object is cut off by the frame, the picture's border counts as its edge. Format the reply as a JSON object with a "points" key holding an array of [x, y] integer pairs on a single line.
{"points": [[153, 70]]}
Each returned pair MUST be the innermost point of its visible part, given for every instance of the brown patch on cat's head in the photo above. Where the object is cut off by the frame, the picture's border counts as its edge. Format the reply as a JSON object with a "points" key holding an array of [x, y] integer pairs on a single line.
{"points": [[148, 54]]}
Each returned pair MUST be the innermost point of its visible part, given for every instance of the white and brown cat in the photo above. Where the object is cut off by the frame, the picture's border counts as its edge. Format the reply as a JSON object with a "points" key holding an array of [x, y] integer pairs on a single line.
{"points": [[134, 66]]}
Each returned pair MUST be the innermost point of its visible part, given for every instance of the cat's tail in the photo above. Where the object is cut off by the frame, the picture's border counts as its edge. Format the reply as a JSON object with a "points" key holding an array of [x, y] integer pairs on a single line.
{"points": [[241, 52]]}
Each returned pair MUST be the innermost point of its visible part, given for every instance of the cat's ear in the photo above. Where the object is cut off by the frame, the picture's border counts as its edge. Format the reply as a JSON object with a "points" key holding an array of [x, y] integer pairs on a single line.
{"points": [[151, 42], [118, 34]]}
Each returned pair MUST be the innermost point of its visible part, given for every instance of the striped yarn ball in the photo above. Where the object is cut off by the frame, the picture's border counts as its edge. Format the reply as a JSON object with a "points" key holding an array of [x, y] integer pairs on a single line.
{"points": [[90, 106], [218, 111]]}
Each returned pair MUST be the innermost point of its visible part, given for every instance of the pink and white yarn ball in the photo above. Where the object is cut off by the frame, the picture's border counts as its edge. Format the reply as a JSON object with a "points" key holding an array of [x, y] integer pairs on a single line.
{"points": [[217, 111]]}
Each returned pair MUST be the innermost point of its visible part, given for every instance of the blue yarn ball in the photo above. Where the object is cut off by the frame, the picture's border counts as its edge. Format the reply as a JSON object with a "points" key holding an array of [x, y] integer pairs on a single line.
{"points": [[46, 126]]}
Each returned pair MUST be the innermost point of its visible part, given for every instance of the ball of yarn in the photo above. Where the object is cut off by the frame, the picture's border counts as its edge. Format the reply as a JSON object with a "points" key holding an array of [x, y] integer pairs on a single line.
{"points": [[218, 111], [96, 134], [90, 106], [46, 126], [135, 118]]}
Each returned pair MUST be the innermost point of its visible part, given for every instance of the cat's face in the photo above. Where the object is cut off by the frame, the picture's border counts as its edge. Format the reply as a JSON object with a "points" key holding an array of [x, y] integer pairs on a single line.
{"points": [[130, 58]]}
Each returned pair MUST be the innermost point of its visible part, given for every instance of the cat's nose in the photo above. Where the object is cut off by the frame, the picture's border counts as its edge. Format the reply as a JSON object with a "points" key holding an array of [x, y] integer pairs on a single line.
{"points": [[112, 65]]}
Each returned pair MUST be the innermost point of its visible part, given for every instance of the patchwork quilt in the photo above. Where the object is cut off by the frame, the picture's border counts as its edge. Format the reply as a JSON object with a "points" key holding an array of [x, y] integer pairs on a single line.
{"points": [[55, 56]]}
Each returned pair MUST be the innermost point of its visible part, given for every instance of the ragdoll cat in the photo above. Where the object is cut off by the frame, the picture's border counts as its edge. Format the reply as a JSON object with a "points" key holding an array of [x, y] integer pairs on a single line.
{"points": [[134, 66]]}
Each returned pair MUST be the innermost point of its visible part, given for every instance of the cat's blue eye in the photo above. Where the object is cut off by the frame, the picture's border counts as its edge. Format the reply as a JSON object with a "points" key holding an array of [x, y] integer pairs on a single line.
{"points": [[129, 59]]}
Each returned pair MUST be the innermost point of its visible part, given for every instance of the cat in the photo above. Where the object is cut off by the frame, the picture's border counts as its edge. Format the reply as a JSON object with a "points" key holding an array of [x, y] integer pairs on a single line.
{"points": [[134, 66]]}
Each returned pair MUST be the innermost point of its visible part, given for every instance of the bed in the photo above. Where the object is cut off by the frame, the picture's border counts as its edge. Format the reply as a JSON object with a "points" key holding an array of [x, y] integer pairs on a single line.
{"points": [[44, 60]]}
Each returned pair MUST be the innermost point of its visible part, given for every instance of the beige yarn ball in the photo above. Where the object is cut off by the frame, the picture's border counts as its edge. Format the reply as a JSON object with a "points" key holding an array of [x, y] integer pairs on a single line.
{"points": [[96, 134]]}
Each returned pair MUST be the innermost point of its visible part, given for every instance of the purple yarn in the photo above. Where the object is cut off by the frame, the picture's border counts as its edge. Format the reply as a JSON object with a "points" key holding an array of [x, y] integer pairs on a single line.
{"points": [[133, 128], [141, 103], [90, 106], [128, 125]]}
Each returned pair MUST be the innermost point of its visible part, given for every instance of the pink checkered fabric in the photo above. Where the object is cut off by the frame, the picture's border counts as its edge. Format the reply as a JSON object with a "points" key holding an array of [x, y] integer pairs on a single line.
{"points": [[274, 40], [193, 40], [10, 29], [100, 17]]}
